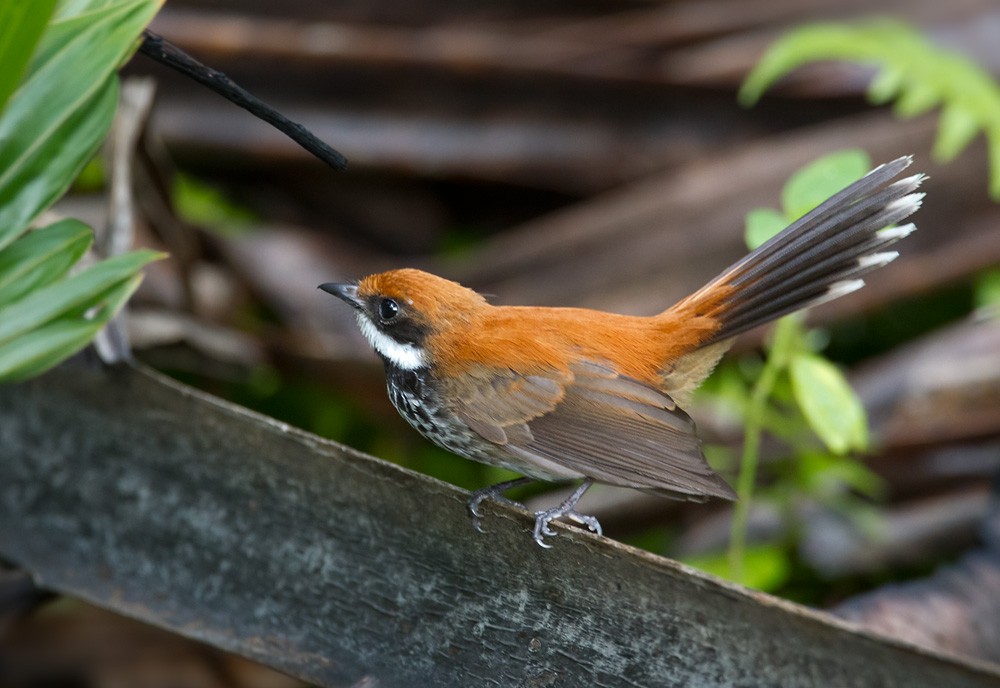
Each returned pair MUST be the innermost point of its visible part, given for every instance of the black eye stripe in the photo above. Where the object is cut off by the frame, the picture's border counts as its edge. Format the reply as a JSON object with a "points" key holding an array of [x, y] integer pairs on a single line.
{"points": [[406, 326]]}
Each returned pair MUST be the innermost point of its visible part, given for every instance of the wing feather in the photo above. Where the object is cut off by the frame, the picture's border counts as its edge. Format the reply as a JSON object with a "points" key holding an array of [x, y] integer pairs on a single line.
{"points": [[592, 421]]}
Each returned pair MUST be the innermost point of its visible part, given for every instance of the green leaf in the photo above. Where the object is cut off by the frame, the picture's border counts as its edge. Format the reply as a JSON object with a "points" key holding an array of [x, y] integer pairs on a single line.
{"points": [[21, 27], [41, 257], [73, 294], [829, 404], [35, 181], [37, 351], [74, 8], [60, 108], [817, 181], [44, 348], [761, 225], [57, 117]]}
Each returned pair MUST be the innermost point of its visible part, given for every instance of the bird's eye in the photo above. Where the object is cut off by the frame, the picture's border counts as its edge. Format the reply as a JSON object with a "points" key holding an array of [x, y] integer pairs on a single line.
{"points": [[387, 309]]}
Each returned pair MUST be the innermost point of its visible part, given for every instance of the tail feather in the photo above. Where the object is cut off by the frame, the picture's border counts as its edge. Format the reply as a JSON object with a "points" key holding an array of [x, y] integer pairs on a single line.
{"points": [[819, 257]]}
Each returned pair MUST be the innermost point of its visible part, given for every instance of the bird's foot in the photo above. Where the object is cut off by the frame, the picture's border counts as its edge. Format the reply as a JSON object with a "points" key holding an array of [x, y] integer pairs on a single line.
{"points": [[494, 492], [568, 510]]}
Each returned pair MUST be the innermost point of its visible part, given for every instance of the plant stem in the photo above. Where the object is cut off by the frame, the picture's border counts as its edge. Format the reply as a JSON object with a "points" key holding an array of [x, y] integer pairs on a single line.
{"points": [[786, 332]]}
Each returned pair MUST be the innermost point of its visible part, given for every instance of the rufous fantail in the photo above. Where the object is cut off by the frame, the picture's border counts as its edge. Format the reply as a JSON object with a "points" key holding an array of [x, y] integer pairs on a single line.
{"points": [[565, 394]]}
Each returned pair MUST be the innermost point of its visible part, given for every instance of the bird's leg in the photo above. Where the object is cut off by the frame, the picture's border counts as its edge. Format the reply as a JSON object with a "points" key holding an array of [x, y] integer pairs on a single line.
{"points": [[567, 509], [494, 492]]}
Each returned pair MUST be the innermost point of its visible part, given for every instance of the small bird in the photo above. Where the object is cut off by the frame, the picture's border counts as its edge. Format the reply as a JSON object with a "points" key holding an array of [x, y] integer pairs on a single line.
{"points": [[566, 394]]}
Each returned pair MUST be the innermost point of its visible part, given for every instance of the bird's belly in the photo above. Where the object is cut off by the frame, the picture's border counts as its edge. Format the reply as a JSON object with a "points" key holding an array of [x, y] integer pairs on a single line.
{"points": [[417, 400]]}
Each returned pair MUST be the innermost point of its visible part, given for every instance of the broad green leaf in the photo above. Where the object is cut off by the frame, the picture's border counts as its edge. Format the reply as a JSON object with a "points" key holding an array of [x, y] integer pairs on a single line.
{"points": [[41, 257], [37, 351], [817, 181], [69, 295], [59, 114], [111, 24], [35, 181], [21, 27], [44, 348], [761, 225], [59, 110], [829, 404], [74, 8]]}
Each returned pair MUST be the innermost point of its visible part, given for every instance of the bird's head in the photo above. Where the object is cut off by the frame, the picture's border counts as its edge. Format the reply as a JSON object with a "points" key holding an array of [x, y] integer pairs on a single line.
{"points": [[398, 311]]}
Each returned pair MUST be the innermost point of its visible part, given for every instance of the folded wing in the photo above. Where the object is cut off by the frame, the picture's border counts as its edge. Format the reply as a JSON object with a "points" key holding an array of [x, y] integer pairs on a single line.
{"points": [[592, 421]]}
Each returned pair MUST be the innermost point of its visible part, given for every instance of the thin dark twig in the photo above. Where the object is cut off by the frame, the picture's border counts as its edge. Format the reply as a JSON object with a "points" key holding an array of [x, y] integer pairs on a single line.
{"points": [[169, 54]]}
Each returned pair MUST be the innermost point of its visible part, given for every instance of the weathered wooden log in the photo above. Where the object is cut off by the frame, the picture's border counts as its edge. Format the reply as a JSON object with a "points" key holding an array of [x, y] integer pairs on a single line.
{"points": [[156, 501]]}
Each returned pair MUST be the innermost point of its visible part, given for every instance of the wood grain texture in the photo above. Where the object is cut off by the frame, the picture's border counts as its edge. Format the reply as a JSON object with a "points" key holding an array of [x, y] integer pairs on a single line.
{"points": [[151, 499]]}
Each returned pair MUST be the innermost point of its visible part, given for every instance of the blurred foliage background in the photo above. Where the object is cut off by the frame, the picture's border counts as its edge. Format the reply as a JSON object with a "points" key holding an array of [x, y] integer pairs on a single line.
{"points": [[592, 154], [565, 156]]}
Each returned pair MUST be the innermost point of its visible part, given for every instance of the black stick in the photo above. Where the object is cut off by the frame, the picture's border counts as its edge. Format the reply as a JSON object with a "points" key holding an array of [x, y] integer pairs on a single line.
{"points": [[169, 54]]}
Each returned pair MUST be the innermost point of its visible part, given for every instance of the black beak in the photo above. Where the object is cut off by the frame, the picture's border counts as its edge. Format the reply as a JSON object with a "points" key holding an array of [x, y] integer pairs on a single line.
{"points": [[345, 292]]}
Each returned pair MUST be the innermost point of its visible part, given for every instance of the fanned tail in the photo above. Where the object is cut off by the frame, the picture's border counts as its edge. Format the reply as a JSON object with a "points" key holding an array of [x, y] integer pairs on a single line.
{"points": [[819, 257]]}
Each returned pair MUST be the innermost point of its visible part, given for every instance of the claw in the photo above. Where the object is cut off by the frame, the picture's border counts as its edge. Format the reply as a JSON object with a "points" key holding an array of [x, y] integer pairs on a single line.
{"points": [[474, 502], [477, 516], [494, 492], [541, 543], [543, 519], [477, 522], [565, 510], [586, 520]]}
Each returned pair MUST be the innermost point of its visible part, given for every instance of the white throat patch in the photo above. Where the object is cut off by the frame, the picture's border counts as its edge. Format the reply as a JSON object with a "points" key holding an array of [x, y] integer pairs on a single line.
{"points": [[405, 356]]}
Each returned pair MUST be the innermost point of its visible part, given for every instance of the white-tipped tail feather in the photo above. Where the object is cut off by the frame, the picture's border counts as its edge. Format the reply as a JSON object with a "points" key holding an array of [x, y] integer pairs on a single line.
{"points": [[817, 258], [838, 289], [909, 204], [877, 260], [896, 233]]}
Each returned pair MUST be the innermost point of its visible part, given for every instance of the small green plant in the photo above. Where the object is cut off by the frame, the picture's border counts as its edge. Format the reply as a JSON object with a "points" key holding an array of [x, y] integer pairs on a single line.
{"points": [[796, 395], [58, 93], [912, 71]]}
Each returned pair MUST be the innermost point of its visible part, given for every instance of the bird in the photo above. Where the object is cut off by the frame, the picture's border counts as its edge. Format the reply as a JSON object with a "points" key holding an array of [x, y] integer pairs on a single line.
{"points": [[573, 394]]}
